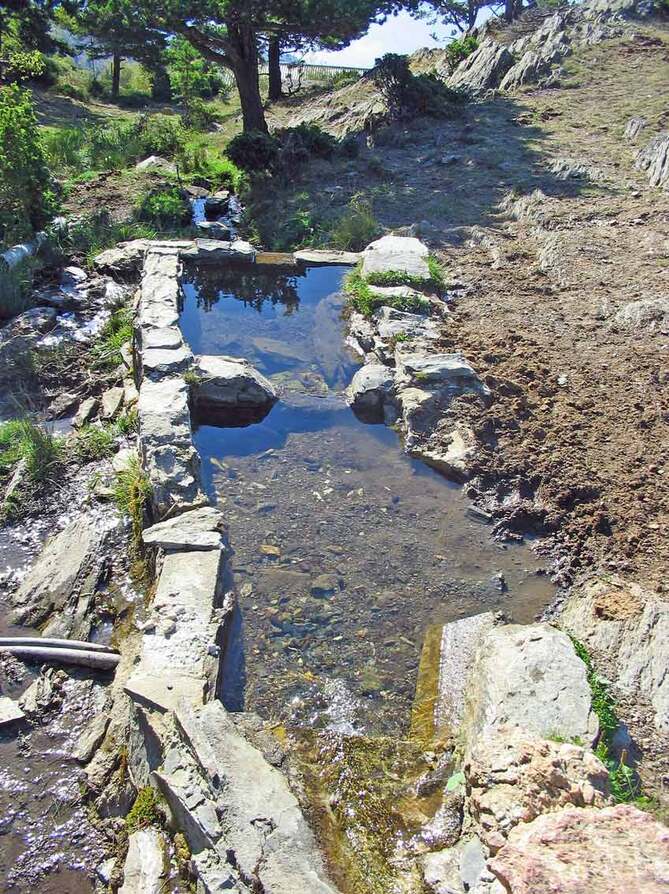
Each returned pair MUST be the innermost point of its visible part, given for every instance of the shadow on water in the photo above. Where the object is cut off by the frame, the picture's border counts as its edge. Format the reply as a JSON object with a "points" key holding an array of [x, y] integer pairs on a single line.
{"points": [[345, 549]]}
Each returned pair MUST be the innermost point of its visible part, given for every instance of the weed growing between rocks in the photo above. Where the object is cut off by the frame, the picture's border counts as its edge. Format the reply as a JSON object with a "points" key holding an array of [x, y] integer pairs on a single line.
{"points": [[399, 278], [165, 208], [116, 333], [625, 784], [32, 453], [146, 811], [356, 228], [88, 237], [132, 491]]}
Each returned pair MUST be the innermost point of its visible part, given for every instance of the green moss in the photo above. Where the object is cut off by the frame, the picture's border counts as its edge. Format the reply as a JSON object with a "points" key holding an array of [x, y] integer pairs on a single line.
{"points": [[145, 811]]}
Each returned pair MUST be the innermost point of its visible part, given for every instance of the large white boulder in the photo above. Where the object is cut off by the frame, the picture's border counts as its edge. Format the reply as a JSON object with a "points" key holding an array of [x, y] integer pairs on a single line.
{"points": [[396, 254]]}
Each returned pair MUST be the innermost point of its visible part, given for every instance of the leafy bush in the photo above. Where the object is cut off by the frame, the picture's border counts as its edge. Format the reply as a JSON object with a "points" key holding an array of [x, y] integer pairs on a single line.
{"points": [[408, 95], [166, 209], [459, 49], [210, 169], [309, 138], [27, 197], [160, 135], [200, 115], [253, 151], [343, 79], [356, 228], [191, 75]]}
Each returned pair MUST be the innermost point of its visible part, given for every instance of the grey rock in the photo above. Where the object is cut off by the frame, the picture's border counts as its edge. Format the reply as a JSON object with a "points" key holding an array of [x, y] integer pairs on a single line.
{"points": [[36, 320], [158, 363], [91, 738], [214, 251], [630, 627], [124, 260], [531, 678], [227, 383], [440, 371], [159, 301], [633, 128], [484, 69], [654, 159], [325, 586], [217, 203], [164, 416], [174, 473], [214, 229], [65, 575], [646, 313], [396, 254], [146, 869], [370, 394], [156, 163], [10, 712], [40, 696], [112, 401], [472, 863], [200, 529]]}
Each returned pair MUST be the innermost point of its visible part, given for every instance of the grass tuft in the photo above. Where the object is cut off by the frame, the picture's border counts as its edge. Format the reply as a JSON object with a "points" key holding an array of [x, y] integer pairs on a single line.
{"points": [[116, 333], [362, 299]]}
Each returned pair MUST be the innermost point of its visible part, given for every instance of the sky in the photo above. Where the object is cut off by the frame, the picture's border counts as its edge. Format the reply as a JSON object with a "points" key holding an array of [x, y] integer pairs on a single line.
{"points": [[399, 34]]}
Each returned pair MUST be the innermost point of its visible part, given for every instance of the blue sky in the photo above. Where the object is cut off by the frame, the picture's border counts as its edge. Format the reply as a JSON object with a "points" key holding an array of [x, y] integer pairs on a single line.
{"points": [[399, 34]]}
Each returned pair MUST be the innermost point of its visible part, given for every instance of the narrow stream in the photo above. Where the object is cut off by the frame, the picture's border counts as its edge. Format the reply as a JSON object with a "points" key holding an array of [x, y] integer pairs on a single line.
{"points": [[345, 549]]}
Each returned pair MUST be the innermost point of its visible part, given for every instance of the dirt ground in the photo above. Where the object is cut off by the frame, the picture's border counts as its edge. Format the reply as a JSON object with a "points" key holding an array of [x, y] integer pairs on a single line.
{"points": [[576, 436]]}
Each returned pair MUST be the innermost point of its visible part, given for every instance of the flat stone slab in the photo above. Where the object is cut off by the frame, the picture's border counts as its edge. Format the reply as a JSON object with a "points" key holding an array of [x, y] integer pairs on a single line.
{"points": [[265, 828], [179, 654], [199, 529], [436, 371], [146, 869], [320, 256], [215, 250], [396, 254], [530, 677], [164, 416]]}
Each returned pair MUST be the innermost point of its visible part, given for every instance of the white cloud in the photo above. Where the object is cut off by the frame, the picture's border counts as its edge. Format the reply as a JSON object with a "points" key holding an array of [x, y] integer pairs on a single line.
{"points": [[399, 34]]}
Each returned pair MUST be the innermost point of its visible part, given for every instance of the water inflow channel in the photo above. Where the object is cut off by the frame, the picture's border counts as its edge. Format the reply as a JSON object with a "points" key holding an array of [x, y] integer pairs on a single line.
{"points": [[345, 549]]}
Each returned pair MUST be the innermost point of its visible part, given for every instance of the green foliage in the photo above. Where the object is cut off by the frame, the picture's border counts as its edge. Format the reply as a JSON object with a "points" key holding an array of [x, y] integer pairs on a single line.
{"points": [[27, 197], [208, 168], [625, 784], [304, 141], [362, 299], [94, 442], [145, 811], [399, 278], [200, 115], [165, 208], [459, 49], [343, 79], [253, 151], [132, 491], [24, 65], [191, 76], [408, 95], [16, 288], [356, 228]]}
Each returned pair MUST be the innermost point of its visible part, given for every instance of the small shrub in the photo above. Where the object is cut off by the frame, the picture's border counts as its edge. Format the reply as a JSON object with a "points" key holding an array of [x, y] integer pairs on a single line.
{"points": [[308, 138], [408, 95], [459, 49], [356, 228], [166, 209], [200, 115], [210, 169], [160, 135], [27, 197], [254, 151], [343, 79]]}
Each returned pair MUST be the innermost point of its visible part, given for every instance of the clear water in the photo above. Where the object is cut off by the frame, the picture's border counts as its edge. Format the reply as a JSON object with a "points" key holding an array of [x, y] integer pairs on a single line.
{"points": [[345, 549]]}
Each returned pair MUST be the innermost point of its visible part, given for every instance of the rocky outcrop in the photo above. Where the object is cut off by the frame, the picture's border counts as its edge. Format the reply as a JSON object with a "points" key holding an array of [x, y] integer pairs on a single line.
{"points": [[633, 128], [646, 313], [512, 778], [654, 159], [530, 69], [227, 386], [531, 678], [611, 851], [484, 69], [629, 626], [63, 581]]}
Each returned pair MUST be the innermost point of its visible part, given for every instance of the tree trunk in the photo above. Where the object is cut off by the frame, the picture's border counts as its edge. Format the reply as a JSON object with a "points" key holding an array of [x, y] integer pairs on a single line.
{"points": [[274, 58], [244, 64], [116, 76], [161, 89]]}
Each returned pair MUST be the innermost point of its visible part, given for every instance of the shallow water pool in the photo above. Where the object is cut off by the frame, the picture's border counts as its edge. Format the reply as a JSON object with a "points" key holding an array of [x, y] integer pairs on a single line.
{"points": [[345, 549]]}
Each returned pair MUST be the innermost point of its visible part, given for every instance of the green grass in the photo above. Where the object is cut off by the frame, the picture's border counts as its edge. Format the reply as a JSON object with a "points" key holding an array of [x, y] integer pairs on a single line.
{"points": [[22, 440], [356, 228], [116, 333], [132, 491], [624, 782], [436, 282], [362, 299], [94, 234]]}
